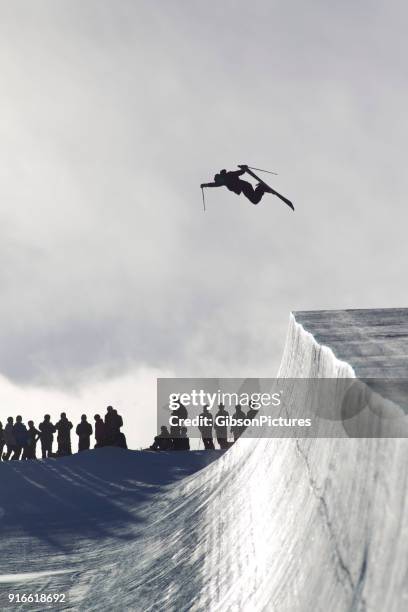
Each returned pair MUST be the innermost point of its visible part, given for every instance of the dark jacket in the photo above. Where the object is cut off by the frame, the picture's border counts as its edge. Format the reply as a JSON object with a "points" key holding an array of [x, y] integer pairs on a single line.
{"points": [[117, 422], [33, 434], [221, 430], [64, 428], [47, 430], [206, 430], [84, 429], [100, 431], [20, 434]]}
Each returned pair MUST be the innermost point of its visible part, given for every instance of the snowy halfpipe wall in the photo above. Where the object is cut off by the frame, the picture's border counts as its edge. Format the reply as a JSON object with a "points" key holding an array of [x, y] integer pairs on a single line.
{"points": [[284, 525]]}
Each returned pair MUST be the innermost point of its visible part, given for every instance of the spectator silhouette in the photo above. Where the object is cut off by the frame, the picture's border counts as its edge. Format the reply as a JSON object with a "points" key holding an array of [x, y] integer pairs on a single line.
{"points": [[181, 411], [19, 442], [179, 414], [9, 439], [184, 442], [252, 412], [32, 436], [109, 426], [84, 431], [206, 428], [221, 429], [63, 428], [118, 436], [162, 442], [238, 430], [47, 430], [100, 431], [113, 423], [2, 440], [20, 436]]}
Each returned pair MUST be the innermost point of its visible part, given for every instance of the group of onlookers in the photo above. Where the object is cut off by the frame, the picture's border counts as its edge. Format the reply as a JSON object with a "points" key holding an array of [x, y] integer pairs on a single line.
{"points": [[20, 441], [177, 439]]}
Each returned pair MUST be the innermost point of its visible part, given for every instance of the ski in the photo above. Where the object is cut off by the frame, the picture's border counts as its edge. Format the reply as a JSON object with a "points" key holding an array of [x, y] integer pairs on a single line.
{"points": [[270, 190]]}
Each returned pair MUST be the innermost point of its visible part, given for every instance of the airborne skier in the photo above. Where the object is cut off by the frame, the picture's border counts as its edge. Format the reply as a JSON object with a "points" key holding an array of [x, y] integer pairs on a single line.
{"points": [[232, 181]]}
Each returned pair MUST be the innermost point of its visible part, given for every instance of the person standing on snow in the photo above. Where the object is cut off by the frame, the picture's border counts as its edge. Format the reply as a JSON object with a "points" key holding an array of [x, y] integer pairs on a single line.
{"points": [[9, 439], [47, 430], [33, 436], [206, 427], [21, 437], [100, 431], [221, 427], [64, 436], [84, 431]]}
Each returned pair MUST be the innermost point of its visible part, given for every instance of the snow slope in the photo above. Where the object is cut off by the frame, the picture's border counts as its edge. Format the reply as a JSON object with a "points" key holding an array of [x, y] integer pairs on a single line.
{"points": [[286, 525]]}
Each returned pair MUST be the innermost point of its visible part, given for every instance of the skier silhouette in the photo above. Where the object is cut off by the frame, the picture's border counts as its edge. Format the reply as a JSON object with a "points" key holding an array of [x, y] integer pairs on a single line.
{"points": [[232, 181]]}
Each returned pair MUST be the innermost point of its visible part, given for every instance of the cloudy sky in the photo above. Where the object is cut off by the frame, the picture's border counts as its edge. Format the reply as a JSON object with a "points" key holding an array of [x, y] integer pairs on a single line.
{"points": [[113, 113]]}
